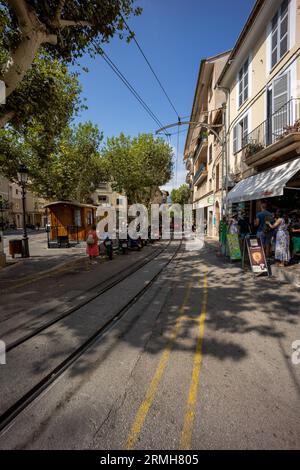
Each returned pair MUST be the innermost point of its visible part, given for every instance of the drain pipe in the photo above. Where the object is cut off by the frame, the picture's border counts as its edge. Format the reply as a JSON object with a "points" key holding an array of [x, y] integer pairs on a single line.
{"points": [[225, 148]]}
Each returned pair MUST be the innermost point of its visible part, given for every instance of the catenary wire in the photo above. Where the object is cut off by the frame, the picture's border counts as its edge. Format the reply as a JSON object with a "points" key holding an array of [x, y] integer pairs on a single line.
{"points": [[151, 68]]}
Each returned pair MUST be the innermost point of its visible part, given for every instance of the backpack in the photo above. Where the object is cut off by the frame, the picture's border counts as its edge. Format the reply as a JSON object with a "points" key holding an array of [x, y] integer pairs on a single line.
{"points": [[90, 239]]}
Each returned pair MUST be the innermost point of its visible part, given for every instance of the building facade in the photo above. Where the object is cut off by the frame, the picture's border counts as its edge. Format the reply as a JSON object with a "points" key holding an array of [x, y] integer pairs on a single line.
{"points": [[259, 82], [13, 214], [203, 150], [105, 196], [262, 81]]}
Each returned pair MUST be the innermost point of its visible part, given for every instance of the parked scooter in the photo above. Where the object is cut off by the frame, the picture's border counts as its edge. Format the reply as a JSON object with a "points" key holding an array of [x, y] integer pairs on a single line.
{"points": [[108, 247], [135, 244], [123, 245]]}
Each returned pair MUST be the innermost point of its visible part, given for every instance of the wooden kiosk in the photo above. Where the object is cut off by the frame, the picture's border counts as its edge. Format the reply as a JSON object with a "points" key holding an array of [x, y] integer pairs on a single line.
{"points": [[69, 222]]}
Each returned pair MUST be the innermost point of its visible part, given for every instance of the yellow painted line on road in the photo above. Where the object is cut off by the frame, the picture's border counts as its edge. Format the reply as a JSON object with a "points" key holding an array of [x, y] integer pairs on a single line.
{"points": [[186, 435], [151, 392]]}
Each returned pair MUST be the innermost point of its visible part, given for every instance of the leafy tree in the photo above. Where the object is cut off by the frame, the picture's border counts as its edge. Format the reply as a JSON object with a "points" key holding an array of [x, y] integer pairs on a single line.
{"points": [[49, 94], [63, 29], [181, 195], [34, 130], [71, 171], [138, 165]]}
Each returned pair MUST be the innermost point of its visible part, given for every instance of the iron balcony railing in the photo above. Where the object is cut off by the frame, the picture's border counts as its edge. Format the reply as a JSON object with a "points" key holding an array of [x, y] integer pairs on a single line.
{"points": [[285, 121], [199, 172]]}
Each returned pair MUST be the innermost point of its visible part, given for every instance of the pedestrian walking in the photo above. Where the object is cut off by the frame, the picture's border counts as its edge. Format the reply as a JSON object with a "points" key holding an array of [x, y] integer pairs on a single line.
{"points": [[92, 247], [282, 244]]}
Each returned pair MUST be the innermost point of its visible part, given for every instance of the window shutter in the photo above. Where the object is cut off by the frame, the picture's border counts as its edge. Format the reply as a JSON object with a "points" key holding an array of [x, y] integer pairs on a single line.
{"points": [[235, 139], [274, 58], [280, 107], [280, 92], [246, 79], [280, 33], [284, 28], [245, 131]]}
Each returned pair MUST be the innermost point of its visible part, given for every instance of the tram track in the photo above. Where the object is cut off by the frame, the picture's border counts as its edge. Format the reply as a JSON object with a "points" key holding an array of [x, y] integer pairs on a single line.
{"points": [[31, 395], [104, 286]]}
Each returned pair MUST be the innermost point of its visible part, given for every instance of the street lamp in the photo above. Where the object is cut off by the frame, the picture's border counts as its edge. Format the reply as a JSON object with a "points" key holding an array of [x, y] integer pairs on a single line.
{"points": [[22, 179]]}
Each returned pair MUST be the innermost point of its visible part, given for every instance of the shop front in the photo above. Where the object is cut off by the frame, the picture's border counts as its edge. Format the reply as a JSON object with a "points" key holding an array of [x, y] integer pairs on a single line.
{"points": [[207, 205], [278, 187]]}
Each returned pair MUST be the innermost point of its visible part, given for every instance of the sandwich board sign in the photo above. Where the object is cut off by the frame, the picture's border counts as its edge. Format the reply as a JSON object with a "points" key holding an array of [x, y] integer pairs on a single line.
{"points": [[234, 247], [257, 257]]}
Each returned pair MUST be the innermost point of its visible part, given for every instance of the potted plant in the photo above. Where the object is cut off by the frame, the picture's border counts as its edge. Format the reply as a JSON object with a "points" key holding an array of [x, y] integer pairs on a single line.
{"points": [[253, 148]]}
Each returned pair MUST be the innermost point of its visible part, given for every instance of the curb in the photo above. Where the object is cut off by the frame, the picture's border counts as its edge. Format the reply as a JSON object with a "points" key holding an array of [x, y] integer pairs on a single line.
{"points": [[27, 280]]}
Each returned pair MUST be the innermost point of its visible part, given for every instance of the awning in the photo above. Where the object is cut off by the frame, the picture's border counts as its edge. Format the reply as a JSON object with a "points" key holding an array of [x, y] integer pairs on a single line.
{"points": [[269, 183]]}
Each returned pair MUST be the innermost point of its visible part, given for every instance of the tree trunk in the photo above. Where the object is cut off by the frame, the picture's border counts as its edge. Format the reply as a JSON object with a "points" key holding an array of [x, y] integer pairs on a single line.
{"points": [[6, 118], [22, 60]]}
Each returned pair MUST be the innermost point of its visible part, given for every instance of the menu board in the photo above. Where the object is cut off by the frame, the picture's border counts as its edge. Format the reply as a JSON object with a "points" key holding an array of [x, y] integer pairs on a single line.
{"points": [[234, 247], [257, 256]]}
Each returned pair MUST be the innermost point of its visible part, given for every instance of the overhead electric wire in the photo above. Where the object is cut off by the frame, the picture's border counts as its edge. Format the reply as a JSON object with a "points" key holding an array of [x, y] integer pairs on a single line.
{"points": [[130, 87], [117, 71], [151, 68]]}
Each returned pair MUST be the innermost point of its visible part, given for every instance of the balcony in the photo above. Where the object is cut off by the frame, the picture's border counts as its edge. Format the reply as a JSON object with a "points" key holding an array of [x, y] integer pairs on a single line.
{"points": [[276, 139], [189, 178], [201, 149], [200, 175]]}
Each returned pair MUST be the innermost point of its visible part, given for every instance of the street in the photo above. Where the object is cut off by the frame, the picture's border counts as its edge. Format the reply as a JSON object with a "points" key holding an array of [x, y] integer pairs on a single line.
{"points": [[199, 357]]}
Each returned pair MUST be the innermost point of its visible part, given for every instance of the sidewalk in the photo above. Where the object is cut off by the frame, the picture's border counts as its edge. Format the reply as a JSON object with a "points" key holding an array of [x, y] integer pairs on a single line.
{"points": [[289, 274], [42, 262], [27, 270]]}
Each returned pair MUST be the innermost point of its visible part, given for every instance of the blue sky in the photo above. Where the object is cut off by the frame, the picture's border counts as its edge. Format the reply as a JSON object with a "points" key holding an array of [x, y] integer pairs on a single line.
{"points": [[175, 35]]}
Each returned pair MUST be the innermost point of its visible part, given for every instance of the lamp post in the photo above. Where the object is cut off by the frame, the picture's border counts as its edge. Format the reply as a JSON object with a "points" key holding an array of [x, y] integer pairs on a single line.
{"points": [[2, 254], [22, 179]]}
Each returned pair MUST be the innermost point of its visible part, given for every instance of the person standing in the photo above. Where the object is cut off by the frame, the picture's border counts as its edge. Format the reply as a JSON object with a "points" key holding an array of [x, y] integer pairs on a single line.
{"points": [[282, 245], [263, 230], [92, 247], [295, 235]]}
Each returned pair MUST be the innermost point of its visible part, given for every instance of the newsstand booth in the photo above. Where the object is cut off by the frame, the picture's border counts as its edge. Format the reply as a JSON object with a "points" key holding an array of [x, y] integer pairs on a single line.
{"points": [[69, 222], [279, 186]]}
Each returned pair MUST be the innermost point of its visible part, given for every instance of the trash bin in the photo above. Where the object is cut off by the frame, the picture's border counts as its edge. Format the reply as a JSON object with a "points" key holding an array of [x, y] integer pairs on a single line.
{"points": [[15, 247]]}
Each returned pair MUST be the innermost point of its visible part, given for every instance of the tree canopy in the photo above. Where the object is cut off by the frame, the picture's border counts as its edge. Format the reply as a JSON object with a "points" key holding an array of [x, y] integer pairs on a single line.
{"points": [[33, 129], [181, 195], [71, 171], [62, 29], [137, 165]]}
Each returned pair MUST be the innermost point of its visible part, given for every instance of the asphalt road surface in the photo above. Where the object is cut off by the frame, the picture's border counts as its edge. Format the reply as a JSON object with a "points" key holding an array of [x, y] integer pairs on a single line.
{"points": [[202, 359]]}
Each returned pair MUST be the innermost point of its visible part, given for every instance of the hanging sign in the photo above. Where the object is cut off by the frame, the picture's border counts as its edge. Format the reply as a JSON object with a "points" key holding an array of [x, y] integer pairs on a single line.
{"points": [[234, 247]]}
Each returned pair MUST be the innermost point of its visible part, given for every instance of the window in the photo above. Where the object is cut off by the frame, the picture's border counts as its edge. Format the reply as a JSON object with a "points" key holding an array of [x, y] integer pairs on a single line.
{"points": [[210, 153], [240, 135], [280, 33], [102, 199], [89, 218], [244, 83], [210, 90], [77, 217]]}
